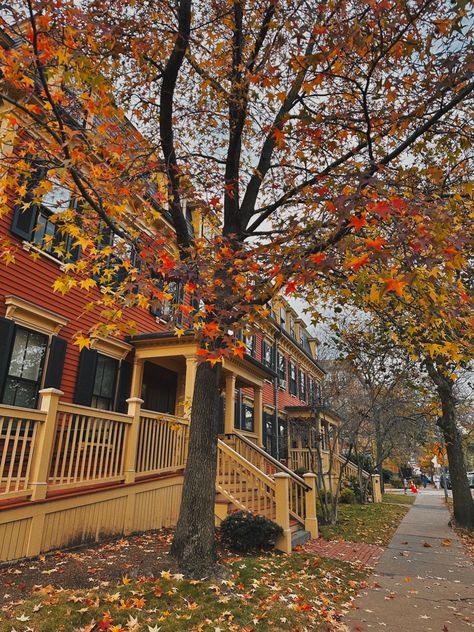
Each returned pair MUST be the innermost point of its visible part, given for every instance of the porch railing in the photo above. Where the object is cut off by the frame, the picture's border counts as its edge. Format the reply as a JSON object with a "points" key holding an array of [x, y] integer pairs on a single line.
{"points": [[18, 429], [162, 443], [89, 446], [63, 446]]}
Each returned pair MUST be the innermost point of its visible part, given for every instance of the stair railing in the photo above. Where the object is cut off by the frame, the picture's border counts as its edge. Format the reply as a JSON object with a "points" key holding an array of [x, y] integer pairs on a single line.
{"points": [[269, 465]]}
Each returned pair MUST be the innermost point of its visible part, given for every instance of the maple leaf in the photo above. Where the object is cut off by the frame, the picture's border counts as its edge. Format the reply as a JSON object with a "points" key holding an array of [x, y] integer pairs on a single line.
{"points": [[394, 285], [357, 262], [82, 342], [376, 244], [179, 331], [358, 221], [317, 258]]}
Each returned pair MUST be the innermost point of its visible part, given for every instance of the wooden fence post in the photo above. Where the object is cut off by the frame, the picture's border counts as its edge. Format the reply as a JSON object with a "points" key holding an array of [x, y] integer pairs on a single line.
{"points": [[376, 488], [43, 448], [131, 445], [282, 487], [311, 519]]}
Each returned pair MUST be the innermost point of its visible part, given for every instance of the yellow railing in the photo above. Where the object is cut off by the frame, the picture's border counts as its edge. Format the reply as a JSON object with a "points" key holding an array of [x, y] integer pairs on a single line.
{"points": [[300, 458], [18, 428], [162, 443], [270, 466], [89, 446], [350, 470], [244, 484]]}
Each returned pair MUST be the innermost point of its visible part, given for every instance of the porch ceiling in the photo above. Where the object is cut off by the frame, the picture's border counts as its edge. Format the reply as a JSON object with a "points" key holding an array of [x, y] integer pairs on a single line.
{"points": [[155, 346]]}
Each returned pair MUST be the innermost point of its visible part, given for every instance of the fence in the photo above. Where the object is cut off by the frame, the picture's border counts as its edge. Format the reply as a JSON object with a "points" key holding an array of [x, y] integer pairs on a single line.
{"points": [[63, 446]]}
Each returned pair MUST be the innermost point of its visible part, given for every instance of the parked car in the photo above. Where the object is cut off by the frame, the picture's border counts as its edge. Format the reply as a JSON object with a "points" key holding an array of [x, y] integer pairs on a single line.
{"points": [[470, 478]]}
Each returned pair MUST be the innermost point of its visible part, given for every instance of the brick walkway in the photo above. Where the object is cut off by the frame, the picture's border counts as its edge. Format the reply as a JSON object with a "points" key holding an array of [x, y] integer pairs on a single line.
{"points": [[357, 552]]}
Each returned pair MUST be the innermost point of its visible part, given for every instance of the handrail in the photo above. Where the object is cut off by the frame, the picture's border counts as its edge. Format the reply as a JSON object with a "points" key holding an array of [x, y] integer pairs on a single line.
{"points": [[351, 465], [270, 458], [153, 414], [18, 412], [97, 413], [243, 461]]}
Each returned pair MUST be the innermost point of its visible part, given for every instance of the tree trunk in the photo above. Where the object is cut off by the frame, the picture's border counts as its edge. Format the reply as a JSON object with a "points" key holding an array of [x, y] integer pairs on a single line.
{"points": [[462, 497], [194, 545]]}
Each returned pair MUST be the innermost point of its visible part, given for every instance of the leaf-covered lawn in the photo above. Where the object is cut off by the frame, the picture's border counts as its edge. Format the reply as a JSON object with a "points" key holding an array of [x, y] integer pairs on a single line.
{"points": [[275, 592], [401, 499], [372, 523]]}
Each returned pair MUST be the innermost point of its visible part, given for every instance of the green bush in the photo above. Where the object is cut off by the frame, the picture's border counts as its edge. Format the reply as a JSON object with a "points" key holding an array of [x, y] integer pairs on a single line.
{"points": [[387, 475], [244, 531], [300, 471], [347, 496], [396, 482], [355, 487]]}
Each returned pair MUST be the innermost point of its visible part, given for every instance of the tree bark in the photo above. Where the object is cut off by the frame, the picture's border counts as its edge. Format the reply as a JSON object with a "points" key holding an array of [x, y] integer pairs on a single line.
{"points": [[194, 542], [462, 497]]}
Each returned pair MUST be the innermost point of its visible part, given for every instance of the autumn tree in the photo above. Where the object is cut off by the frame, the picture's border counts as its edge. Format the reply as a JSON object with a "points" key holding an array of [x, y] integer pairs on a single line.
{"points": [[286, 124]]}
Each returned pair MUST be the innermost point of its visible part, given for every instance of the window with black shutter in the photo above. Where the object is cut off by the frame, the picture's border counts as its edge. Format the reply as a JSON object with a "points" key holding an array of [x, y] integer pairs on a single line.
{"points": [[293, 384], [302, 385], [97, 381], [40, 223], [251, 345], [25, 368], [281, 369], [267, 353]]}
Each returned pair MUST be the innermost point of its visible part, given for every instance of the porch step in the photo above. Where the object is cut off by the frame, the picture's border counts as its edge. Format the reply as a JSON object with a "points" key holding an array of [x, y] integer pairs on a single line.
{"points": [[299, 537]]}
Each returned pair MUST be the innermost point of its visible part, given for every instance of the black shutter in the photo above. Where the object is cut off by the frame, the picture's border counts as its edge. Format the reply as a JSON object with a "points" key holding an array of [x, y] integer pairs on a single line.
{"points": [[125, 382], [54, 370], [85, 377], [7, 335], [24, 219]]}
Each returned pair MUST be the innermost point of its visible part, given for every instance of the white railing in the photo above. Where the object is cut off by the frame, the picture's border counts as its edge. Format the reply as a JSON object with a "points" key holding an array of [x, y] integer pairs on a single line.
{"points": [[18, 429], [162, 443]]}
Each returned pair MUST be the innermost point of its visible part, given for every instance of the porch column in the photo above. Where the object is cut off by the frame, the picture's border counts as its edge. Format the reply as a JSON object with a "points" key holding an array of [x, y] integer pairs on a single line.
{"points": [[229, 403], [137, 378], [258, 414], [191, 367]]}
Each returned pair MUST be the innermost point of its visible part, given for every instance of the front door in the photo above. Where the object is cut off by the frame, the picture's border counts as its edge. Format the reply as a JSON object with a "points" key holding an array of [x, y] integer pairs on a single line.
{"points": [[159, 388]]}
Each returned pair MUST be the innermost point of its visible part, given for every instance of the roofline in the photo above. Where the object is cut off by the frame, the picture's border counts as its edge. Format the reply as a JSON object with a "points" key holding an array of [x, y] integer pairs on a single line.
{"points": [[164, 335]]}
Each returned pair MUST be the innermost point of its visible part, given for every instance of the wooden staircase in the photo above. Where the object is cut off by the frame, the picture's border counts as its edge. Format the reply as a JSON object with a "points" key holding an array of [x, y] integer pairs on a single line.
{"points": [[246, 481]]}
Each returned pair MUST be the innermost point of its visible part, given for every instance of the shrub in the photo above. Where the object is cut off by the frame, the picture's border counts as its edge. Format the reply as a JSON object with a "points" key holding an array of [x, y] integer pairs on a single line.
{"points": [[387, 475], [300, 471], [355, 487], [396, 482], [244, 531], [347, 496]]}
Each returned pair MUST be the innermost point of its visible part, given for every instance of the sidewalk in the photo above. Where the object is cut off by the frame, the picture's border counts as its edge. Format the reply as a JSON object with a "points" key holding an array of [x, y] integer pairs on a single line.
{"points": [[423, 582]]}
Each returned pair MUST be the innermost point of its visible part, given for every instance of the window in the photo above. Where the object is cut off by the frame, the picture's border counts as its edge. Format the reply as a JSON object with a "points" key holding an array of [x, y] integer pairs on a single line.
{"points": [[311, 392], [302, 385], [283, 317], [103, 390], [247, 418], [292, 326], [167, 309], [25, 368], [281, 368], [293, 385], [267, 353], [40, 223], [251, 345], [103, 381]]}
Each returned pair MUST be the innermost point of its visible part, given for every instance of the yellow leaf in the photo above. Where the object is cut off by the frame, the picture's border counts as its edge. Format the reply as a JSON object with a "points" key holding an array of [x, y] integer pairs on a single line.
{"points": [[81, 341]]}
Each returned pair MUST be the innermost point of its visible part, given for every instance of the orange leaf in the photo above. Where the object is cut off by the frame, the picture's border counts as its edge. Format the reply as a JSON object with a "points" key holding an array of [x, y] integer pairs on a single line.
{"points": [[358, 222], [356, 262], [376, 244], [394, 285]]}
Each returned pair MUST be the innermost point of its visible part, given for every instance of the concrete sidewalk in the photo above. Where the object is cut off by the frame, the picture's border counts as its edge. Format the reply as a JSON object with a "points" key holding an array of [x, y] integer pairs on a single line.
{"points": [[423, 582]]}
